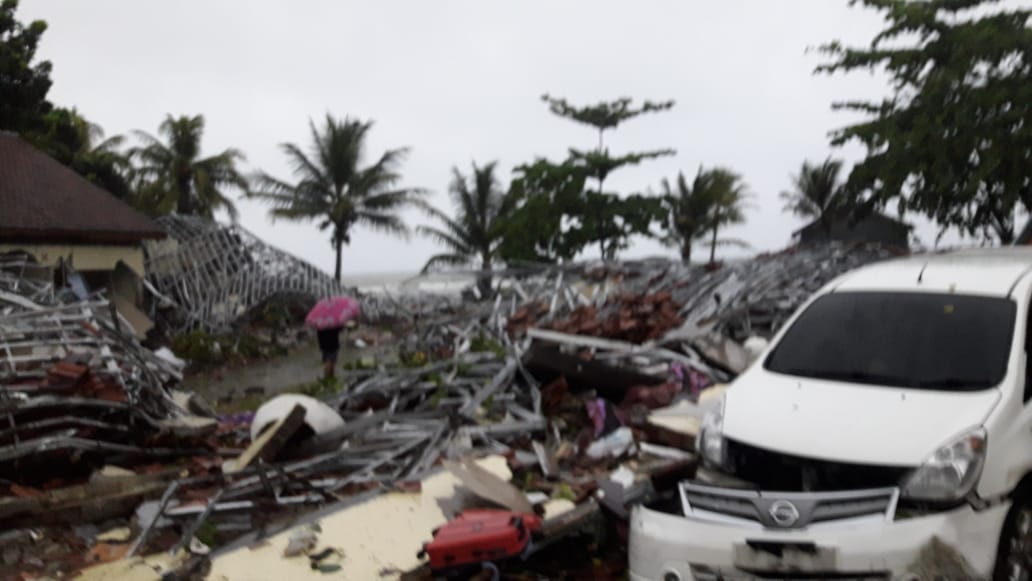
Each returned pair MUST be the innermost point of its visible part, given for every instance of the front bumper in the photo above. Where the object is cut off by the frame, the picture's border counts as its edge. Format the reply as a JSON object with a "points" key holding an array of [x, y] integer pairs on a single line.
{"points": [[666, 546]]}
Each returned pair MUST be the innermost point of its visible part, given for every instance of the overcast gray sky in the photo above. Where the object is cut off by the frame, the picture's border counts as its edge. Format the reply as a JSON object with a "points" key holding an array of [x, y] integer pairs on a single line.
{"points": [[461, 80]]}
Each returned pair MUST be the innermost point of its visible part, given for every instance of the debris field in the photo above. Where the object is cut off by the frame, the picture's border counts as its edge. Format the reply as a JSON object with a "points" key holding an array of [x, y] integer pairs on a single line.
{"points": [[580, 386]]}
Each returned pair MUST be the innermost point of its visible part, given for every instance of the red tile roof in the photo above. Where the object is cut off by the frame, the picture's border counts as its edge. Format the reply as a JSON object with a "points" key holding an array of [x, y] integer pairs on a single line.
{"points": [[41, 200]]}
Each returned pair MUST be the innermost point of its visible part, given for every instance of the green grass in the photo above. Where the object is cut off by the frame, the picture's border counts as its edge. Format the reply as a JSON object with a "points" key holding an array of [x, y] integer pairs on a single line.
{"points": [[320, 388]]}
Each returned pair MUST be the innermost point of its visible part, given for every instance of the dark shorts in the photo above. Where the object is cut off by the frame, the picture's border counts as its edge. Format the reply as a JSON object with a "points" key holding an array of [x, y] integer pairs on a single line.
{"points": [[329, 344]]}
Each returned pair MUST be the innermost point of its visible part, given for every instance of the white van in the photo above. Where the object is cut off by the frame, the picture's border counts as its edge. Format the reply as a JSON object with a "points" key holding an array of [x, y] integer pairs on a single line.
{"points": [[886, 433]]}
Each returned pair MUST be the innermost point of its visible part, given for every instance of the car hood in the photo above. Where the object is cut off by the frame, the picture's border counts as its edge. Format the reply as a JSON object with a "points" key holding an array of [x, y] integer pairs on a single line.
{"points": [[843, 422]]}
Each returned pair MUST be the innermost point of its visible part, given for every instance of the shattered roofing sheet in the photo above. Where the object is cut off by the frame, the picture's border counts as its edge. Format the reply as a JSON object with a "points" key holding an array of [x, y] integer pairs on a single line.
{"points": [[214, 273]]}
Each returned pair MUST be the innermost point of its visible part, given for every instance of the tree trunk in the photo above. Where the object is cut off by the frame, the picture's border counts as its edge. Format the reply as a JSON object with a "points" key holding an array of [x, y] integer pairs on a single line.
{"points": [[184, 202], [339, 244], [686, 251], [484, 280], [1004, 228], [598, 218], [1006, 236], [713, 246]]}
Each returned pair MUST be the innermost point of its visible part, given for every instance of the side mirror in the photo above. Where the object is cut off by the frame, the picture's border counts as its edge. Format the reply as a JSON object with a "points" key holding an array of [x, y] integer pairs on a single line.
{"points": [[755, 347]]}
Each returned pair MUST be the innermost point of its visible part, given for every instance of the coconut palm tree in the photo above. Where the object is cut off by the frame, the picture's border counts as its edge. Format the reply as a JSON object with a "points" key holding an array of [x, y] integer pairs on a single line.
{"points": [[172, 175], [729, 194], [474, 233], [688, 209], [817, 193], [336, 189]]}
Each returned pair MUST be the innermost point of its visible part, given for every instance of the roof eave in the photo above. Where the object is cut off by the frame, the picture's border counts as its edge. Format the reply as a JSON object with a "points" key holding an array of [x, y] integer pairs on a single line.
{"points": [[55, 236]]}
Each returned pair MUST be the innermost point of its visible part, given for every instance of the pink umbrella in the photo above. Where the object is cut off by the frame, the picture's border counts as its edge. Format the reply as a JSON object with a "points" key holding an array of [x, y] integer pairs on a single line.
{"points": [[332, 312]]}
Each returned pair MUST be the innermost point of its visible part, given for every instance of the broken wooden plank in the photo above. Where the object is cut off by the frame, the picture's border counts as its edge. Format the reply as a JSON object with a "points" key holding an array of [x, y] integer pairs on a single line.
{"points": [[488, 486], [269, 444]]}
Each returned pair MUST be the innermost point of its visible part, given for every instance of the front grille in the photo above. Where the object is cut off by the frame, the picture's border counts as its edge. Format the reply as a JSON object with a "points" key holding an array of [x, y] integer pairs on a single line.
{"points": [[769, 470], [786, 510]]}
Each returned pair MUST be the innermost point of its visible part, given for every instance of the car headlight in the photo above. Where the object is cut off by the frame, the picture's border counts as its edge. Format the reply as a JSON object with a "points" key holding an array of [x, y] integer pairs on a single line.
{"points": [[710, 443], [951, 472]]}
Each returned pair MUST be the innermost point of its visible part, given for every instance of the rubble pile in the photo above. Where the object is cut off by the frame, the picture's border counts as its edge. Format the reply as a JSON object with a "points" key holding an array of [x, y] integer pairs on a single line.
{"points": [[583, 386], [91, 425], [644, 300], [212, 274], [74, 383], [634, 318]]}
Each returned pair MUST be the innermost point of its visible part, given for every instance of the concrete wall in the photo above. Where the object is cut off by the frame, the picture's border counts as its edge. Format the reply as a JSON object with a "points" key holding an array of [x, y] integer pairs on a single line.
{"points": [[83, 257]]}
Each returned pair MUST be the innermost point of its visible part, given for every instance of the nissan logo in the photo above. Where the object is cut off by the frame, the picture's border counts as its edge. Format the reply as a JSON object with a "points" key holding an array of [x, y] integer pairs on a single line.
{"points": [[784, 513]]}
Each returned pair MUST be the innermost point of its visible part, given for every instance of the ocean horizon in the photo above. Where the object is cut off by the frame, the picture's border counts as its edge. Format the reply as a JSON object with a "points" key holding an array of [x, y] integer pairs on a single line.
{"points": [[407, 282]]}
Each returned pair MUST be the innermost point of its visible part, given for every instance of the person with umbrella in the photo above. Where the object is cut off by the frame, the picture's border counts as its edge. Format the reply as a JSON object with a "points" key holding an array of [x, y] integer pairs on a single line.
{"points": [[328, 317]]}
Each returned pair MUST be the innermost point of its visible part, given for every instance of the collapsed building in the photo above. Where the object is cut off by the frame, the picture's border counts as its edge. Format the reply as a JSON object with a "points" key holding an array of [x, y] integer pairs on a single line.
{"points": [[84, 238], [207, 275], [582, 385]]}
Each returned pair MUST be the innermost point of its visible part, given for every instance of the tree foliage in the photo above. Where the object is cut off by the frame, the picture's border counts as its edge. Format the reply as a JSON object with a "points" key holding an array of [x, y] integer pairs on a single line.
{"points": [[729, 195], [336, 188], [71, 139], [171, 175], [817, 193], [688, 208], [543, 200], [716, 198], [475, 232], [555, 216], [954, 139], [23, 84], [605, 115]]}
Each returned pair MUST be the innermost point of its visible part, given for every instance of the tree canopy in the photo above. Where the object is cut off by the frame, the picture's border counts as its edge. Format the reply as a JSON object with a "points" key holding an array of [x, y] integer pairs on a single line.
{"points": [[953, 140], [688, 209], [336, 188], [23, 83], [63, 133], [172, 174], [555, 215], [817, 193], [474, 233], [73, 140], [605, 115], [728, 194], [544, 200]]}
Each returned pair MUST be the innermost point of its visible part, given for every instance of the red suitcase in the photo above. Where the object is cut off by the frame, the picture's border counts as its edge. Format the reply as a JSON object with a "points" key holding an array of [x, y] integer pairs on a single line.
{"points": [[478, 536]]}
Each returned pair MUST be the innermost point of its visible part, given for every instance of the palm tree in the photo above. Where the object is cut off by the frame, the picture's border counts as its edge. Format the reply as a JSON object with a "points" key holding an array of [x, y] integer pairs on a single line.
{"points": [[688, 210], [474, 233], [89, 137], [728, 193], [172, 175], [817, 193], [334, 187]]}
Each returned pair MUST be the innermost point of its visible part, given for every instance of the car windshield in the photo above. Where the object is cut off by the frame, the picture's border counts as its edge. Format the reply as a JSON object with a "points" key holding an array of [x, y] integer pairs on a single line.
{"points": [[914, 340]]}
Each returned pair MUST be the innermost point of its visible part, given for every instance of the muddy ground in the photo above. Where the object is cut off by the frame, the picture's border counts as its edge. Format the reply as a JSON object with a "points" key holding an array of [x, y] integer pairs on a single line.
{"points": [[245, 387]]}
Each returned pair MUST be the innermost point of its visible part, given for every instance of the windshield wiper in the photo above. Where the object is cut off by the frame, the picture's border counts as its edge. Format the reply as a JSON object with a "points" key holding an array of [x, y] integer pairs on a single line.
{"points": [[954, 383]]}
